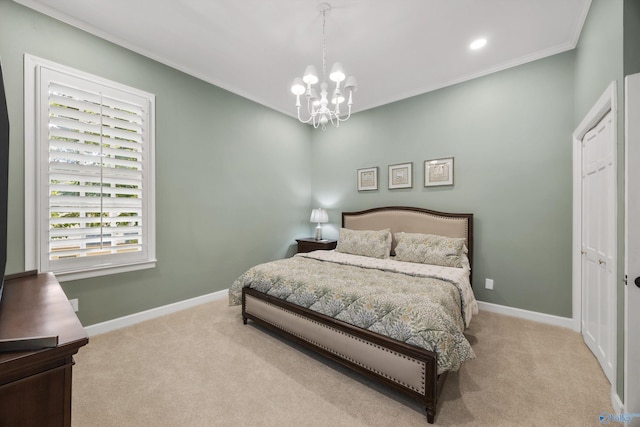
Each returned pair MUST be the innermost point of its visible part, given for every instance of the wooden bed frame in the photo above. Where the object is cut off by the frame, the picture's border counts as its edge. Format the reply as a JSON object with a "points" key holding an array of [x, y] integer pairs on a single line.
{"points": [[405, 368]]}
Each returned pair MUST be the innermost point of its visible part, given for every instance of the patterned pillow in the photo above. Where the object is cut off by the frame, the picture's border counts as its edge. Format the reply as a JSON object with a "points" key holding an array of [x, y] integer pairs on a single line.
{"points": [[431, 249], [374, 244]]}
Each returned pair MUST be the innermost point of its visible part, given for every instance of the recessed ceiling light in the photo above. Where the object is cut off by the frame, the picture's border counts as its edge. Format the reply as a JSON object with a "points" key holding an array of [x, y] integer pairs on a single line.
{"points": [[477, 44]]}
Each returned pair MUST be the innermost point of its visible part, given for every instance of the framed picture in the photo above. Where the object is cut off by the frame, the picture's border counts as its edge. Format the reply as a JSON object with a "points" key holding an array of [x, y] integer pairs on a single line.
{"points": [[401, 175], [438, 172], [368, 179]]}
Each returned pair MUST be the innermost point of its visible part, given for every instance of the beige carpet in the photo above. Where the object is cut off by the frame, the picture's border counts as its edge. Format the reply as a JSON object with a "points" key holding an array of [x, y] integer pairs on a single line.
{"points": [[203, 367]]}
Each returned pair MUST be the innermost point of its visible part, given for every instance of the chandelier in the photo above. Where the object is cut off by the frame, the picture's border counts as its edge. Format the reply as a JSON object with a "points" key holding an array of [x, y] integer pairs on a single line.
{"points": [[318, 110]]}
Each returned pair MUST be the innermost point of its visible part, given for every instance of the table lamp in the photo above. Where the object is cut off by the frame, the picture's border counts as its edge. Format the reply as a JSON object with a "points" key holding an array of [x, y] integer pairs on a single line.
{"points": [[319, 216]]}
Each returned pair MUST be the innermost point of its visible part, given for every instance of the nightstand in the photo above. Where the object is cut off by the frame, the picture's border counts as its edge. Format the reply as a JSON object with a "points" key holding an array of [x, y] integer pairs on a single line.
{"points": [[310, 244]]}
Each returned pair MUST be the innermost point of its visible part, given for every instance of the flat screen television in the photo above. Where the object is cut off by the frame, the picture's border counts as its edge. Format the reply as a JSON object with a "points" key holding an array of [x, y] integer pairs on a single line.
{"points": [[20, 343], [4, 179]]}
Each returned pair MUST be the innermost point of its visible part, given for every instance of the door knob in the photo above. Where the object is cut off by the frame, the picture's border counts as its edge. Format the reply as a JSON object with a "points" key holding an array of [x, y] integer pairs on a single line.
{"points": [[637, 281]]}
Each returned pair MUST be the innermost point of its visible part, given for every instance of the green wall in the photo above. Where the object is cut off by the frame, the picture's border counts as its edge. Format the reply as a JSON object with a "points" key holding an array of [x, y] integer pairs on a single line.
{"points": [[233, 187], [599, 61], [510, 135], [631, 37]]}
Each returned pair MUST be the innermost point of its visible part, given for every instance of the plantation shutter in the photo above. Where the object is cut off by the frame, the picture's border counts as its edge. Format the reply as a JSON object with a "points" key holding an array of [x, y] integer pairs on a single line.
{"points": [[95, 174], [95, 178]]}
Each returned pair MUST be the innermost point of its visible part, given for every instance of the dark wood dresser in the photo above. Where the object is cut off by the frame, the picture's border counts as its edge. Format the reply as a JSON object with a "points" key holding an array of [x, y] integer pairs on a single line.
{"points": [[35, 385]]}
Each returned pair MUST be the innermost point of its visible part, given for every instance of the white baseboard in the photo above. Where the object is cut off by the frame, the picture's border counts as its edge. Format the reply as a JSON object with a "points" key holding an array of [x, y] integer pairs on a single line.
{"points": [[132, 319], [618, 406], [549, 319]]}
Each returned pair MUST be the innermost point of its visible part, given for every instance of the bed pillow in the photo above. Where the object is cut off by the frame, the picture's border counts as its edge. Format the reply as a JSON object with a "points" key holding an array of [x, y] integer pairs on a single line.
{"points": [[371, 243], [431, 249]]}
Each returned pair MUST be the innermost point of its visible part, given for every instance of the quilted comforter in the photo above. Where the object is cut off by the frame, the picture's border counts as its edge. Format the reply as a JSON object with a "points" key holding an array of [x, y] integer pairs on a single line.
{"points": [[420, 305]]}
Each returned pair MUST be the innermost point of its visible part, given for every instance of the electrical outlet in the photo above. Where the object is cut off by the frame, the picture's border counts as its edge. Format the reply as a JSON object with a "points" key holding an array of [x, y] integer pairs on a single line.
{"points": [[488, 284], [74, 304]]}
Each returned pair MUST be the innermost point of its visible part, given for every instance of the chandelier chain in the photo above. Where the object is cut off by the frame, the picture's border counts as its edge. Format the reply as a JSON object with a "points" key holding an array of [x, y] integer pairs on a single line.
{"points": [[324, 46]]}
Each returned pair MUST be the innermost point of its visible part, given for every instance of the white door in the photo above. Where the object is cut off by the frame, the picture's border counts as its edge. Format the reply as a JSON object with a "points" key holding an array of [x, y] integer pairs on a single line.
{"points": [[632, 242], [598, 236]]}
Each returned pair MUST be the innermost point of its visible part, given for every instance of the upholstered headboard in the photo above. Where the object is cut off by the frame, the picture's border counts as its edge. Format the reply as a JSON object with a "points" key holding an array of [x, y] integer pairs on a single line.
{"points": [[413, 220]]}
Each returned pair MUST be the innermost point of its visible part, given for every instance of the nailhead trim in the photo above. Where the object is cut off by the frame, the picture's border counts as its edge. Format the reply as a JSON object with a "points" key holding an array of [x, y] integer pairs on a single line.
{"points": [[421, 364]]}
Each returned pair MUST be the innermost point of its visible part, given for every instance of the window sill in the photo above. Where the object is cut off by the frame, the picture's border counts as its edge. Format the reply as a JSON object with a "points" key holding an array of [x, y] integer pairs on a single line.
{"points": [[67, 276]]}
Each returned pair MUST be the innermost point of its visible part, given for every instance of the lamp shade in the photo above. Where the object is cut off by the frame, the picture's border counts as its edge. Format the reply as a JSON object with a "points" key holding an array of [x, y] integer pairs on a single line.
{"points": [[319, 216], [351, 83], [310, 75], [297, 88], [337, 73]]}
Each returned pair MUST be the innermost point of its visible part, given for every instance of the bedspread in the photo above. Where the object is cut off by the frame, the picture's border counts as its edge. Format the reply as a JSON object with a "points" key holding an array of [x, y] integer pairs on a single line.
{"points": [[413, 308]]}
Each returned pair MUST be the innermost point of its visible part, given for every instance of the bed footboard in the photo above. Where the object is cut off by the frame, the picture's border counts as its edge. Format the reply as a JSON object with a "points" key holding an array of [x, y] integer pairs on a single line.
{"points": [[408, 369]]}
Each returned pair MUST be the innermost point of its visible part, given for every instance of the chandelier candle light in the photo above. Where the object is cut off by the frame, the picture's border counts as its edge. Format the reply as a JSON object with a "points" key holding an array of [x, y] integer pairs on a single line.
{"points": [[320, 216], [318, 108]]}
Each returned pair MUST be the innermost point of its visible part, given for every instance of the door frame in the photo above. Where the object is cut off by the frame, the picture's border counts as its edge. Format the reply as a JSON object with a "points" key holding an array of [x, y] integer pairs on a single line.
{"points": [[632, 343], [608, 101]]}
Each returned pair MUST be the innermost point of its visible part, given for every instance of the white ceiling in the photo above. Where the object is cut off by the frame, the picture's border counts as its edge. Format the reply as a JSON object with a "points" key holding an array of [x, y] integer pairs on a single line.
{"points": [[396, 49]]}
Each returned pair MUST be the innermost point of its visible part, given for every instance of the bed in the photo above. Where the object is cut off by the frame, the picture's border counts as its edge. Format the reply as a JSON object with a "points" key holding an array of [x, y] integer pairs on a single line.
{"points": [[348, 306]]}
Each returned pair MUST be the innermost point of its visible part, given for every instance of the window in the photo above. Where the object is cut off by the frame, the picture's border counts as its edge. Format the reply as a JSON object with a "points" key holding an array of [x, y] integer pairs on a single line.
{"points": [[89, 179]]}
